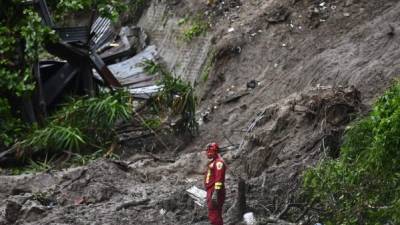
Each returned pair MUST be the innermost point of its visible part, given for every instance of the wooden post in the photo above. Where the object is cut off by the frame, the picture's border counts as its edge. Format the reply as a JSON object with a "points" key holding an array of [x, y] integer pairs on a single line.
{"points": [[239, 207], [241, 198]]}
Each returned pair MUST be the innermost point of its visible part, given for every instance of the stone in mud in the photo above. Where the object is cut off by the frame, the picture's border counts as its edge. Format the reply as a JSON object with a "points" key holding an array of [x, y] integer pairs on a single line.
{"points": [[279, 14], [32, 210], [12, 211]]}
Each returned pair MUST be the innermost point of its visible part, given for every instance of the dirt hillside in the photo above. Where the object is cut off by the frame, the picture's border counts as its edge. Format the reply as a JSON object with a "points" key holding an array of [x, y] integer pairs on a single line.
{"points": [[278, 79]]}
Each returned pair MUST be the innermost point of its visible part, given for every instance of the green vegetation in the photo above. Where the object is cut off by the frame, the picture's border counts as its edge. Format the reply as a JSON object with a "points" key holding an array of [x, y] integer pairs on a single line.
{"points": [[152, 123], [83, 130], [83, 123], [150, 67], [176, 97], [21, 37], [362, 186], [106, 8], [193, 28]]}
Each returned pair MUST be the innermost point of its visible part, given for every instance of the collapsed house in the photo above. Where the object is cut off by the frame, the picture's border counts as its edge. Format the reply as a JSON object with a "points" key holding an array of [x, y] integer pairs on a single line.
{"points": [[91, 56]]}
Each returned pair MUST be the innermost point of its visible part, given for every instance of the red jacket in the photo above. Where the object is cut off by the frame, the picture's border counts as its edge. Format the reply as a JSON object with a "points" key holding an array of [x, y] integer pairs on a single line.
{"points": [[215, 175]]}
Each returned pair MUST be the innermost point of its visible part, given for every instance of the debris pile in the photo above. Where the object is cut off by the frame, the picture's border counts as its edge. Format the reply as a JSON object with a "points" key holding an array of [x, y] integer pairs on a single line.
{"points": [[290, 135]]}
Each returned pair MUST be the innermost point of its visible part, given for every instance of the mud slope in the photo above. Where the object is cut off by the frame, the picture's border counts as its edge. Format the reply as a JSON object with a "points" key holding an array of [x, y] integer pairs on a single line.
{"points": [[284, 79]]}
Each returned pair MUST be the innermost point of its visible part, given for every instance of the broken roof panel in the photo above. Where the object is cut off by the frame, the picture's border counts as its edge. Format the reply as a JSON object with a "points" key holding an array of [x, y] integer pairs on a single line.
{"points": [[131, 75], [103, 32]]}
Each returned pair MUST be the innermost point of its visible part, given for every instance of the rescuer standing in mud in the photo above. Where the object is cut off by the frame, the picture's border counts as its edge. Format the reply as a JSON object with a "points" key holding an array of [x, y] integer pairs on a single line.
{"points": [[215, 184]]}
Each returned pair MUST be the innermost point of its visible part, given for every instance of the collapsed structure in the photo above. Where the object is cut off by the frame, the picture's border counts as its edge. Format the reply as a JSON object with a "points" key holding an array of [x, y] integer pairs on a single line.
{"points": [[92, 56]]}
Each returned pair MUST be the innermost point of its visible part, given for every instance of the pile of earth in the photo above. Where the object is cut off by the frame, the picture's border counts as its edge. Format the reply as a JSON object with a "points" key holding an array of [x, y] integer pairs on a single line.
{"points": [[151, 190]]}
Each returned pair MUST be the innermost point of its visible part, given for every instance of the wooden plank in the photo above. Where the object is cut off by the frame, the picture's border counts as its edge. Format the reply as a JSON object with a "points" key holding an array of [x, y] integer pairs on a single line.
{"points": [[53, 87], [103, 70]]}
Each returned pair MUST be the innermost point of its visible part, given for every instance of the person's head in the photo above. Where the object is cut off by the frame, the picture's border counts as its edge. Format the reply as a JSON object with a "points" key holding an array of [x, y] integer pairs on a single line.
{"points": [[212, 150]]}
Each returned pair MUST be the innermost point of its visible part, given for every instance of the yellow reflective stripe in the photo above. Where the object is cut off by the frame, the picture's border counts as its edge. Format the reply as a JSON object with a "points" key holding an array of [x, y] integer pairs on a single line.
{"points": [[218, 185], [208, 176]]}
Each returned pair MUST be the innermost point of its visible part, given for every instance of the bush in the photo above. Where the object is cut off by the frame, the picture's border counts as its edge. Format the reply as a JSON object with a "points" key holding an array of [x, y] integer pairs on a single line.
{"points": [[362, 185], [86, 122], [176, 97]]}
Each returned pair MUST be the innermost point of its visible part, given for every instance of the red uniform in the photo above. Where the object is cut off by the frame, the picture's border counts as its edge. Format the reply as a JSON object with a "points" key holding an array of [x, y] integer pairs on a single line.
{"points": [[215, 181]]}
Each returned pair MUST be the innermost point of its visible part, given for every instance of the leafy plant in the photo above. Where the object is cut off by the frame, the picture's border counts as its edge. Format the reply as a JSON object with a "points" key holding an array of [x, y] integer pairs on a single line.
{"points": [[105, 8], [194, 28], [21, 36], [37, 166], [151, 67], [10, 126], [362, 186], [176, 98], [83, 122], [153, 123]]}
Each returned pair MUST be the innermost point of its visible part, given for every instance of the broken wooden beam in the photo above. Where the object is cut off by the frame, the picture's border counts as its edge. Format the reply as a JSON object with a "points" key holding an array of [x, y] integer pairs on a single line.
{"points": [[132, 203]]}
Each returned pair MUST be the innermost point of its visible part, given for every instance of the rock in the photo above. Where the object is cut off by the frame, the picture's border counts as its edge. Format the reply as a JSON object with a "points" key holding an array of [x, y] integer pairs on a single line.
{"points": [[32, 211], [252, 84], [12, 211], [277, 15], [21, 199]]}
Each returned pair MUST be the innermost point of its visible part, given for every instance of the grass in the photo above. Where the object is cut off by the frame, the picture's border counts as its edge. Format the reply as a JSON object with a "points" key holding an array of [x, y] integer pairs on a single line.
{"points": [[193, 28]]}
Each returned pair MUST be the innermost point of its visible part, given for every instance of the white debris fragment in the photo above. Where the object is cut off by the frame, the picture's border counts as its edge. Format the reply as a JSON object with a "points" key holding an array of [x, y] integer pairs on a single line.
{"points": [[198, 195], [249, 218], [162, 212], [230, 30]]}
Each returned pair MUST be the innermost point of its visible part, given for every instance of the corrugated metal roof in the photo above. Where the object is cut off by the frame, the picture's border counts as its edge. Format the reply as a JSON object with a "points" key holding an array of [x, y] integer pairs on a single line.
{"points": [[131, 75]]}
